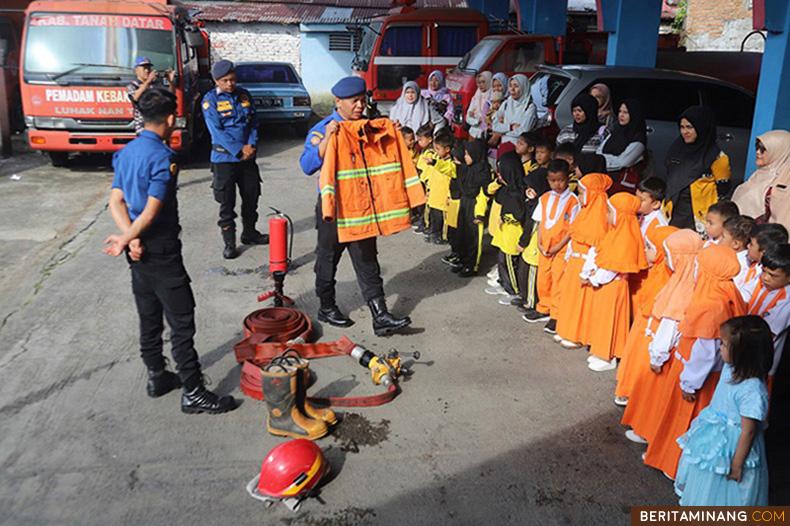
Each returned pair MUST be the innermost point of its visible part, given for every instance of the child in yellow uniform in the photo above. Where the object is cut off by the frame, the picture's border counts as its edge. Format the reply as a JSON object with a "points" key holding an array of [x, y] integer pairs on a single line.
{"points": [[425, 153], [439, 171]]}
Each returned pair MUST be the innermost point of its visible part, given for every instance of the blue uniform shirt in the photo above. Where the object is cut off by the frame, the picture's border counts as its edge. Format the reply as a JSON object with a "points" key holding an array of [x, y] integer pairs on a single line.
{"points": [[232, 123], [310, 161], [144, 168]]}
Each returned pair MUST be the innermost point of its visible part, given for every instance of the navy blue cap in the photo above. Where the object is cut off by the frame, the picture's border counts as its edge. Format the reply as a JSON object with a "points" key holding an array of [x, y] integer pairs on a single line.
{"points": [[222, 68], [348, 87], [143, 61]]}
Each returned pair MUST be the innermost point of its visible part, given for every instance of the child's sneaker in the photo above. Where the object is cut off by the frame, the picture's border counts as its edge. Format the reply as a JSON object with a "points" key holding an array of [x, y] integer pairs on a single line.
{"points": [[557, 338], [419, 228], [493, 273], [534, 317], [518, 301], [467, 272], [450, 259], [507, 298], [621, 401], [633, 437], [456, 267], [495, 291], [551, 327]]}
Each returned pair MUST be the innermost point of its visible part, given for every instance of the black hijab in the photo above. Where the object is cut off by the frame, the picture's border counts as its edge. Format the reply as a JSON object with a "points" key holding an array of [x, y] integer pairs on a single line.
{"points": [[460, 171], [478, 174], [512, 195], [634, 131], [590, 126], [686, 163], [591, 163]]}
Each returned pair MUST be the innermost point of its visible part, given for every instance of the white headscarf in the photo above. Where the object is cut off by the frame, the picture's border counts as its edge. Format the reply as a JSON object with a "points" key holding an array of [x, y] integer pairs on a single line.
{"points": [[480, 98], [515, 109], [750, 196], [413, 114], [501, 77]]}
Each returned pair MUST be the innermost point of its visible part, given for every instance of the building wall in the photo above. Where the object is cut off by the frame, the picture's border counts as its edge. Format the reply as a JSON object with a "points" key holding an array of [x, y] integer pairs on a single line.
{"points": [[720, 25], [246, 42], [321, 68]]}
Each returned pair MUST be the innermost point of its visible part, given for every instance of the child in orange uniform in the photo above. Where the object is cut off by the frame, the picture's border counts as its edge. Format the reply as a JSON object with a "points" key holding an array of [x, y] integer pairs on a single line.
{"points": [[680, 250], [635, 355], [587, 230], [621, 252], [736, 235], [651, 192], [697, 363]]}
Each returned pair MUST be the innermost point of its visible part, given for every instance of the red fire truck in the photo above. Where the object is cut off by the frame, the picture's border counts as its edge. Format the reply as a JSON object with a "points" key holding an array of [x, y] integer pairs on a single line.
{"points": [[78, 57]]}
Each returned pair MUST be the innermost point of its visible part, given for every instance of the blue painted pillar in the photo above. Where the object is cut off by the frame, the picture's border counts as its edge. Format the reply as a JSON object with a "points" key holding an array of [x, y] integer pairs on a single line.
{"points": [[543, 17], [633, 31], [493, 9], [772, 110]]}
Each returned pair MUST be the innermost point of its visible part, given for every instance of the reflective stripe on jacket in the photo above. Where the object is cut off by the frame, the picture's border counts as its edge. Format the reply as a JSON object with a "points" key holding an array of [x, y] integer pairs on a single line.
{"points": [[368, 182]]}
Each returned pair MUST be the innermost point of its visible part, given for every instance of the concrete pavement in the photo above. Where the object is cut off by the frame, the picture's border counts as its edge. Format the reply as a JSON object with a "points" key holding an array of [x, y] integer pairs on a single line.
{"points": [[498, 425]]}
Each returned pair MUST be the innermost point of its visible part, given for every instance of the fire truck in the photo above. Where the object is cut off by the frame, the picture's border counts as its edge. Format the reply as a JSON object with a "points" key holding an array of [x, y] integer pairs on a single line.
{"points": [[78, 57]]}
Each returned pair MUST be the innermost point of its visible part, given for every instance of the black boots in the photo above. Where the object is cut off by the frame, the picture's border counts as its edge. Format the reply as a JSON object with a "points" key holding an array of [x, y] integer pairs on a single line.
{"points": [[229, 238], [250, 236], [161, 382], [385, 323], [331, 314], [201, 400]]}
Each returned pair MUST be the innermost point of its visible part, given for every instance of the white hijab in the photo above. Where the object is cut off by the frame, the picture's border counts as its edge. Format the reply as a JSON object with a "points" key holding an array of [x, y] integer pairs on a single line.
{"points": [[413, 114], [515, 110], [480, 98]]}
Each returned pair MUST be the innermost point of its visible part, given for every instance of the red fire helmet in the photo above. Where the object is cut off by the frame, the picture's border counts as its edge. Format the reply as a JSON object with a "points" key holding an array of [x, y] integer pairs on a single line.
{"points": [[292, 469]]}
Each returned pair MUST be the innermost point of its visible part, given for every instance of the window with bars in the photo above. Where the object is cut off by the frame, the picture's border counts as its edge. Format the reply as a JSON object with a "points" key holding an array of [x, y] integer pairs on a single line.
{"points": [[344, 41]]}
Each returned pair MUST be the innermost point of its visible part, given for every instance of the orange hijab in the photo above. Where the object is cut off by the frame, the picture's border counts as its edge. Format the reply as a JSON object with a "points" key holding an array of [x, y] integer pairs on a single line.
{"points": [[591, 224], [622, 249], [658, 274], [681, 249], [716, 298]]}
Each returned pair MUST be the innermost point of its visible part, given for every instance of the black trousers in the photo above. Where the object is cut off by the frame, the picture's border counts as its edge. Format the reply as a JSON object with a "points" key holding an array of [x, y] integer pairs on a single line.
{"points": [[528, 283], [226, 177], [435, 222], [364, 258], [470, 235], [508, 272], [161, 289]]}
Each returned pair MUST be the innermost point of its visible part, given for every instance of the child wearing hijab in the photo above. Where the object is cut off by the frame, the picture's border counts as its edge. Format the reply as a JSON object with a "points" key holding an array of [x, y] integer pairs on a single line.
{"points": [[479, 106], [696, 367], [474, 177], [510, 197], [620, 253], [517, 114], [586, 133], [680, 249], [724, 459], [635, 356], [763, 195], [698, 171], [414, 111], [438, 93], [625, 147], [499, 84], [587, 230]]}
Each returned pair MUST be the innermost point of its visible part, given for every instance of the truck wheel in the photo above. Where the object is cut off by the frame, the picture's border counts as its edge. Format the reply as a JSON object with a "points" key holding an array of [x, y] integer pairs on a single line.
{"points": [[59, 159]]}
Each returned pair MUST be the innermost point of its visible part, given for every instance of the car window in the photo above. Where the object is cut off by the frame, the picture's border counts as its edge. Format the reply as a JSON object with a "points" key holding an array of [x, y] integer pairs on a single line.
{"points": [[663, 99], [732, 108], [402, 41], [259, 73], [456, 41], [555, 84], [520, 57]]}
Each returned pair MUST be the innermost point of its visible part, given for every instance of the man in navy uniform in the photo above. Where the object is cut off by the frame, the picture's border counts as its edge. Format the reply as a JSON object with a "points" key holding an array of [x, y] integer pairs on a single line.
{"points": [[144, 206], [230, 117], [350, 101]]}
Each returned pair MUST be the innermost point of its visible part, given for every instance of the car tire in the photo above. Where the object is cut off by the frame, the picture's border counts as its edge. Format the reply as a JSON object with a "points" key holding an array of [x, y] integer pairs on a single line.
{"points": [[59, 159]]}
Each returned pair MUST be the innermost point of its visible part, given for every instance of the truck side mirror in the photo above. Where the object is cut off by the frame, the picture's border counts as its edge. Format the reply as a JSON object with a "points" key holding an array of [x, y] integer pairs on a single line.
{"points": [[193, 37]]}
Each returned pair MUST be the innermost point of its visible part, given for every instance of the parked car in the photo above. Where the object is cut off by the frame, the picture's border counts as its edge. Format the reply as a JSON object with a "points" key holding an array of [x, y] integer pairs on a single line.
{"points": [[664, 95], [277, 92]]}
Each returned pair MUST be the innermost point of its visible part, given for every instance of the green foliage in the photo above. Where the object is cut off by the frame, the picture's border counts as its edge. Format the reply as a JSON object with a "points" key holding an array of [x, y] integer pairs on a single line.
{"points": [[680, 16]]}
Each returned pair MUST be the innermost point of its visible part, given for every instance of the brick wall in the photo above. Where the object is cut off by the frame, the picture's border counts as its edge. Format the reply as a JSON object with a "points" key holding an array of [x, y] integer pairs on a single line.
{"points": [[247, 42], [720, 25]]}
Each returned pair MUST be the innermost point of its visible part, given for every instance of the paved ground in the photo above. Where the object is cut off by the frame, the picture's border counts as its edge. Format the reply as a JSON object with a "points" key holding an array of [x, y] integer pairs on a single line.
{"points": [[498, 425]]}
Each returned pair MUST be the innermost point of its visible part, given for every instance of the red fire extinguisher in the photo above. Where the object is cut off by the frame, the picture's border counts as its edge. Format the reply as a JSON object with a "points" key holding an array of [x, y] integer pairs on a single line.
{"points": [[281, 242]]}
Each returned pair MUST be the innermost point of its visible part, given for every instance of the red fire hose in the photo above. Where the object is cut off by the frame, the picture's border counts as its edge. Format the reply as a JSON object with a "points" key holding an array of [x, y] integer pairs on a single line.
{"points": [[271, 331]]}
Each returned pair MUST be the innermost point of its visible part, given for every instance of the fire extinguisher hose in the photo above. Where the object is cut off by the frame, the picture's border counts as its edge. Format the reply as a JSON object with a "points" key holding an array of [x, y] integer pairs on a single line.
{"points": [[271, 331]]}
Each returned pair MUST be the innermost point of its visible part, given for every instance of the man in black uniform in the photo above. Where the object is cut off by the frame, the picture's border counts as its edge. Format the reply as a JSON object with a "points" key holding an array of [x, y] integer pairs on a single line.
{"points": [[231, 121], [144, 206], [350, 101]]}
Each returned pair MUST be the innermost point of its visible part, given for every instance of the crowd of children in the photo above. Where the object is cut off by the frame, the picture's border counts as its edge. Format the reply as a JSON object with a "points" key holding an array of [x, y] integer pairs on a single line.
{"points": [[695, 325]]}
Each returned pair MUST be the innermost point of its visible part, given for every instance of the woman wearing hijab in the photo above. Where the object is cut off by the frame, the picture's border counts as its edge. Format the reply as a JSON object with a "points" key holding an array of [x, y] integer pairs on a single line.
{"points": [[413, 111], [511, 198], [698, 171], [586, 133], [603, 96], [473, 176], [499, 83], [479, 106], [438, 93], [624, 149], [766, 194], [517, 114]]}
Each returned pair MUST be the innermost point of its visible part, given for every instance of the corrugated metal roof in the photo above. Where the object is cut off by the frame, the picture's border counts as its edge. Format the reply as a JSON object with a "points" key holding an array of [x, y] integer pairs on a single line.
{"points": [[302, 11]]}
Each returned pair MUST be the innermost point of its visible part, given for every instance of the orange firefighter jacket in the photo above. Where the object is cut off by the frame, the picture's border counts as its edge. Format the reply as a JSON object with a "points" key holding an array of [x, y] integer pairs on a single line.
{"points": [[368, 181]]}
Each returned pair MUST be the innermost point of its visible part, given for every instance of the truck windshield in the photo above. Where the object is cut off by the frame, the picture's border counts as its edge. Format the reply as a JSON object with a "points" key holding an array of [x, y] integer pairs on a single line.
{"points": [[369, 35], [95, 45], [479, 55]]}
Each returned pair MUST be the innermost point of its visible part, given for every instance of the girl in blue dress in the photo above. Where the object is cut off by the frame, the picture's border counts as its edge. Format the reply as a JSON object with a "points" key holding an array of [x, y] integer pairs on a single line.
{"points": [[723, 461]]}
